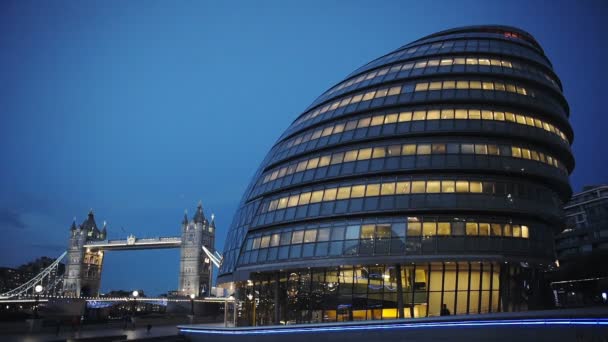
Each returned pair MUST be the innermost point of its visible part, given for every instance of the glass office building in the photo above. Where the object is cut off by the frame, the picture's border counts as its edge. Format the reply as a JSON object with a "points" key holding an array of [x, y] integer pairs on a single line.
{"points": [[428, 181]]}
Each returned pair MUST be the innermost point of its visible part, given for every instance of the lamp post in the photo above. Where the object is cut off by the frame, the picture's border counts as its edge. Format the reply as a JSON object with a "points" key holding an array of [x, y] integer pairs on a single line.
{"points": [[38, 289], [135, 295], [192, 303]]}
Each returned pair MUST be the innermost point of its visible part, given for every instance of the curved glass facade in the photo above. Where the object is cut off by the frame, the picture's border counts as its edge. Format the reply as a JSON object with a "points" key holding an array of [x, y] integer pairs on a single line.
{"points": [[428, 181]]}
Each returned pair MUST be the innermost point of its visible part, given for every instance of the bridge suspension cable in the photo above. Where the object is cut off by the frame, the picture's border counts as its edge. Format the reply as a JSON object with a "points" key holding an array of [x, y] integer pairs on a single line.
{"points": [[216, 258], [49, 274]]}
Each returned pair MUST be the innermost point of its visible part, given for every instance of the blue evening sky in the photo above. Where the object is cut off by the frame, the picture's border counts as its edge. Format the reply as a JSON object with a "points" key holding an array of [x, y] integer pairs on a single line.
{"points": [[138, 109]]}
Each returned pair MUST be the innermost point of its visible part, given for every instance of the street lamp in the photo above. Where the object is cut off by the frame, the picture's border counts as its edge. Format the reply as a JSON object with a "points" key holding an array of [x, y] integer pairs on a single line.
{"points": [[38, 289], [192, 303], [135, 295]]}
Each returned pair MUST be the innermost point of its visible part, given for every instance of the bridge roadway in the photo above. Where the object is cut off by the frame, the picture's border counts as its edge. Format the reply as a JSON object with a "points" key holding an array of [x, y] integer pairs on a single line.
{"points": [[41, 299], [132, 243]]}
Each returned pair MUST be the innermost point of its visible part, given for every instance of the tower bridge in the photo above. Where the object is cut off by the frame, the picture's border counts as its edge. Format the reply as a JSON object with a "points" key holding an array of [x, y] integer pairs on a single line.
{"points": [[88, 244]]}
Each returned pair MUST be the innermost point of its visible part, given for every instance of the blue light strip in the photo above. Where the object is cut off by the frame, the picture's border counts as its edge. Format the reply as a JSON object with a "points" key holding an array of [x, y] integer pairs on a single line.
{"points": [[487, 323]]}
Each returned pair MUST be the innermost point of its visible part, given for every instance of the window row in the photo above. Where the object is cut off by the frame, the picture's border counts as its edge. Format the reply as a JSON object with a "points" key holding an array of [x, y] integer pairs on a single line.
{"points": [[454, 44], [416, 87], [413, 227], [380, 189], [423, 115], [410, 150], [441, 62]]}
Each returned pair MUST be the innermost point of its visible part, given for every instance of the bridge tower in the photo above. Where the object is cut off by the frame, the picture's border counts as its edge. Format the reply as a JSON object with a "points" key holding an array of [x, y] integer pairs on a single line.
{"points": [[82, 275], [196, 270]]}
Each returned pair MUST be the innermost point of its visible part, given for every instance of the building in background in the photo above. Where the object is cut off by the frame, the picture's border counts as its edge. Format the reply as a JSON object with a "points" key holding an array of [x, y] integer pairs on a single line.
{"points": [[429, 181], [584, 241]]}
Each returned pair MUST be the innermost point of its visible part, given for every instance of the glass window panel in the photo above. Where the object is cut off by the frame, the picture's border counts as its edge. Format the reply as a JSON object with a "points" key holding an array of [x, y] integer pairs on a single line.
{"points": [[285, 238], [525, 232], [458, 228], [429, 229], [398, 229], [462, 186], [409, 150], [282, 203], [462, 84], [352, 232], [403, 188], [324, 161], [461, 114], [310, 235], [304, 198], [350, 156], [432, 187], [367, 231], [475, 187], [447, 114], [474, 114], [357, 191], [422, 87], [369, 95], [297, 236], [419, 115], [414, 228], [394, 150], [293, 200], [379, 152], [475, 84], [265, 241], [423, 149], [438, 148], [317, 196], [496, 229], [312, 163], [507, 230], [364, 122], [343, 192], [383, 231], [516, 230], [449, 84], [448, 186], [435, 86], [418, 187], [372, 190], [330, 194], [337, 233], [364, 154], [391, 118], [388, 189], [484, 229], [323, 234], [405, 116], [433, 115], [444, 228], [467, 148], [275, 239], [337, 158], [472, 228], [377, 120]]}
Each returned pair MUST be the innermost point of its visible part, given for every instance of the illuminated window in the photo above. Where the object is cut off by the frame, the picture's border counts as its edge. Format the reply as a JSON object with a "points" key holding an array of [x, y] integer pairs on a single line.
{"points": [[433, 187], [357, 191], [405, 116], [282, 203], [419, 115], [462, 186], [525, 232], [317, 196], [350, 156], [388, 189], [367, 231], [461, 114], [435, 86], [409, 150], [444, 228], [484, 229], [422, 87], [418, 187], [379, 152], [293, 201], [304, 198], [372, 190], [414, 229], [448, 186], [403, 188], [343, 192], [365, 154], [471, 228], [429, 229], [475, 187], [310, 235], [330, 194], [423, 149], [297, 237]]}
